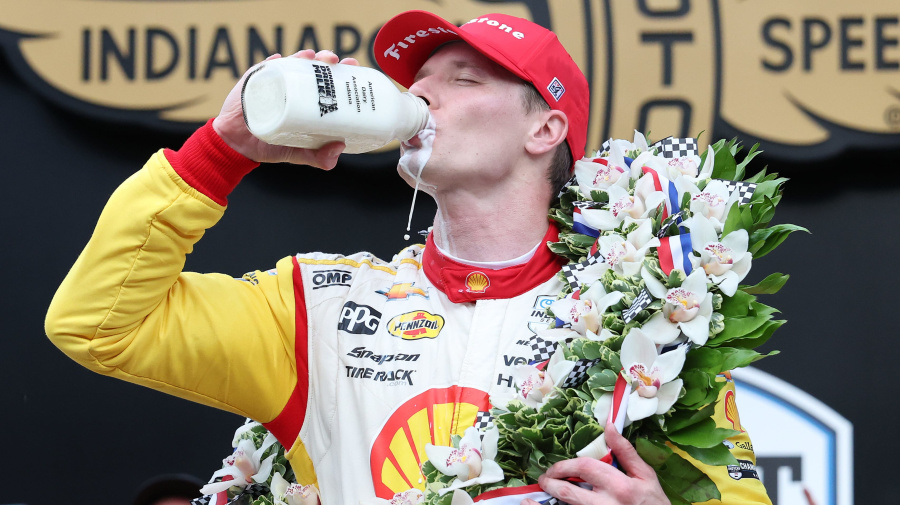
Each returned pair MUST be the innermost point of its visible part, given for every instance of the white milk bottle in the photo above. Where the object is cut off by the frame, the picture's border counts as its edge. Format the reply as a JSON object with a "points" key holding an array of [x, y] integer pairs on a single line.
{"points": [[307, 103]]}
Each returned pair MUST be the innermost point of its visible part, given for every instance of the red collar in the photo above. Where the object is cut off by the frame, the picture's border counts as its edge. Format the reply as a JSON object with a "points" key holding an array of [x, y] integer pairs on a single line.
{"points": [[463, 283]]}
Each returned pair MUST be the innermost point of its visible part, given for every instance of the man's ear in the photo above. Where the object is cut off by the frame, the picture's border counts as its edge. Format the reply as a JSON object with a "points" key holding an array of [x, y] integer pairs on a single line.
{"points": [[550, 129]]}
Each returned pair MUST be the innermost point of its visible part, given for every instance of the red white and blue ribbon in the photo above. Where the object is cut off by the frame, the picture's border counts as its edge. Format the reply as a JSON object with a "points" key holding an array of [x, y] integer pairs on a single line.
{"points": [[581, 226], [674, 253], [515, 495]]}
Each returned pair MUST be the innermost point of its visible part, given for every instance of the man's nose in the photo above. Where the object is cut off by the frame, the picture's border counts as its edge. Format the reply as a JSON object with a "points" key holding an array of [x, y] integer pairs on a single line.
{"points": [[421, 89]]}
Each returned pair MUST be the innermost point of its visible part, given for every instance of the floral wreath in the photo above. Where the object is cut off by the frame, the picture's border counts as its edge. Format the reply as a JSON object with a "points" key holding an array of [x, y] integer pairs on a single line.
{"points": [[658, 240]]}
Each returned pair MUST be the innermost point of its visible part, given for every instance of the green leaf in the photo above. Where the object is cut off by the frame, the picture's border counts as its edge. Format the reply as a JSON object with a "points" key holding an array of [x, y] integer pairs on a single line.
{"points": [[717, 455], [759, 338], [724, 166], [736, 327], [768, 286], [771, 238], [737, 305], [703, 434], [682, 482], [732, 221], [684, 418], [697, 385], [584, 436]]}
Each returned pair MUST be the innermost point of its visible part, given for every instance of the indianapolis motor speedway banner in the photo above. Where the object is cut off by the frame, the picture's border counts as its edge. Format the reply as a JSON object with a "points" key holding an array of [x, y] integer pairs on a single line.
{"points": [[805, 78]]}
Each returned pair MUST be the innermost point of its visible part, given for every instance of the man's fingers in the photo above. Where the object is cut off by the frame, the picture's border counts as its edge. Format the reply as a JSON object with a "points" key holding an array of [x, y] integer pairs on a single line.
{"points": [[592, 471], [350, 61], [626, 454], [307, 54], [567, 492], [327, 56]]}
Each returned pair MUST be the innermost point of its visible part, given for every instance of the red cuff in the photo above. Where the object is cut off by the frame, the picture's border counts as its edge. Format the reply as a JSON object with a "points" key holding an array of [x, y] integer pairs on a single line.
{"points": [[209, 165]]}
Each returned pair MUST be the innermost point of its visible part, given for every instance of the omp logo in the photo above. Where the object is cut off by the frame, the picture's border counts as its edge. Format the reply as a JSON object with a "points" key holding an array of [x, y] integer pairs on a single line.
{"points": [[327, 278], [402, 291], [477, 282], [359, 319], [805, 78], [398, 450], [416, 325]]}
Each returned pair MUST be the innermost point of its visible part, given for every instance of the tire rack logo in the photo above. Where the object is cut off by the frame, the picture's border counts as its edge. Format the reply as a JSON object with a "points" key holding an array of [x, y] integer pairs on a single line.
{"points": [[416, 325], [359, 319], [398, 450], [327, 96], [807, 78]]}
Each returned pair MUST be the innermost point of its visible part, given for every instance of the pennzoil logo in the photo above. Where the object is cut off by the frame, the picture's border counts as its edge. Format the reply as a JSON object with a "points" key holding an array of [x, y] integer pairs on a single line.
{"points": [[416, 325], [477, 282], [806, 79], [402, 291]]}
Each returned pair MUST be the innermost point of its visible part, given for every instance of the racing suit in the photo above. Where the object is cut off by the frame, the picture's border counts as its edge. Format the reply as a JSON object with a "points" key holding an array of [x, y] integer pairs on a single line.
{"points": [[352, 362]]}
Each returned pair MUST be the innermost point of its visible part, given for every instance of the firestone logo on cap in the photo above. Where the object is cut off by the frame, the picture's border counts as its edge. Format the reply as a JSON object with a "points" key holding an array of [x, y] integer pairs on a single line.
{"points": [[501, 26], [411, 39]]}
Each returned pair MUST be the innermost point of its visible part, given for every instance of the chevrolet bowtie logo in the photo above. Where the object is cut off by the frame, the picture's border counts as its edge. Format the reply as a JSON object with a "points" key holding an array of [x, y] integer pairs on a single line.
{"points": [[402, 291]]}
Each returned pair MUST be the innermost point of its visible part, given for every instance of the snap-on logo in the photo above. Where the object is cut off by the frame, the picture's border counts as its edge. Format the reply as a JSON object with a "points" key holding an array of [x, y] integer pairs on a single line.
{"points": [[500, 26], [556, 89], [411, 39]]}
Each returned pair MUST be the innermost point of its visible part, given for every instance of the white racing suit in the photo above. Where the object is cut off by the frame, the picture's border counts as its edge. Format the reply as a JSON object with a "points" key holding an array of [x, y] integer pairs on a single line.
{"points": [[353, 363]]}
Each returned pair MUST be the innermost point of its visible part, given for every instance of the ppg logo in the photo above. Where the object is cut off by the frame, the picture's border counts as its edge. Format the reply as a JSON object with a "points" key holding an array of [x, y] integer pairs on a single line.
{"points": [[359, 319]]}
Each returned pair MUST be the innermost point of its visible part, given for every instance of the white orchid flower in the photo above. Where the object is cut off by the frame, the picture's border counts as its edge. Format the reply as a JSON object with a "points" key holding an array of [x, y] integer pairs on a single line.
{"points": [[687, 309], [409, 497], [536, 386], [625, 255], [652, 376], [472, 462], [245, 466], [623, 204], [726, 262], [585, 314], [596, 449], [461, 497], [286, 493], [713, 203], [599, 174], [601, 408]]}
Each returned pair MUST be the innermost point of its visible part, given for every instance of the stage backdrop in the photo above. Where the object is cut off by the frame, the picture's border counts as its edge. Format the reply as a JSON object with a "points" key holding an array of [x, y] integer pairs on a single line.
{"points": [[89, 89]]}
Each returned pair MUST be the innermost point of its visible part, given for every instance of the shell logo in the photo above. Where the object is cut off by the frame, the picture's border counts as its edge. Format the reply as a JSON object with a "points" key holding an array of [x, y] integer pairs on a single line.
{"points": [[477, 282], [731, 411], [416, 325], [398, 451]]}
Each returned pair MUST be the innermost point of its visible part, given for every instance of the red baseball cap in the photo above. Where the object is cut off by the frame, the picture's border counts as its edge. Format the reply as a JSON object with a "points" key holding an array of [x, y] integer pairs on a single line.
{"points": [[526, 49]]}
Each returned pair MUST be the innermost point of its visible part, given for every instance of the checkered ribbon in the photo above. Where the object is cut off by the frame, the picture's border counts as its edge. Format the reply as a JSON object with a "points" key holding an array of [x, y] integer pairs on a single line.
{"points": [[639, 304], [570, 182], [543, 349], [745, 189], [571, 271], [251, 492], [483, 419], [668, 222], [579, 373], [673, 147]]}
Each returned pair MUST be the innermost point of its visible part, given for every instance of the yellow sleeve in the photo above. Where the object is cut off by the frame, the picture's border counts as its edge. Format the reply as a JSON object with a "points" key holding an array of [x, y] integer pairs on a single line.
{"points": [[738, 484], [125, 309]]}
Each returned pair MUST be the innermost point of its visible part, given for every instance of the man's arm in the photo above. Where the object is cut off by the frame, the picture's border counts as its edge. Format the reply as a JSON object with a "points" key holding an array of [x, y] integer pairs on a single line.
{"points": [[126, 309]]}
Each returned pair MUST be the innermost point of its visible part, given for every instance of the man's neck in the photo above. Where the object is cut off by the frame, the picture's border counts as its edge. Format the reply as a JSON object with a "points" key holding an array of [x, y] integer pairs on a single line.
{"points": [[473, 228]]}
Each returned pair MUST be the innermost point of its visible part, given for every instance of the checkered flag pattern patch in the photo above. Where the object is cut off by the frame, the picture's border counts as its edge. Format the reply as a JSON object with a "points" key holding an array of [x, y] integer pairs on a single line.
{"points": [[745, 189], [570, 271], [543, 349], [565, 187], [203, 500], [605, 147], [664, 227], [673, 147], [641, 302], [579, 373], [483, 420]]}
